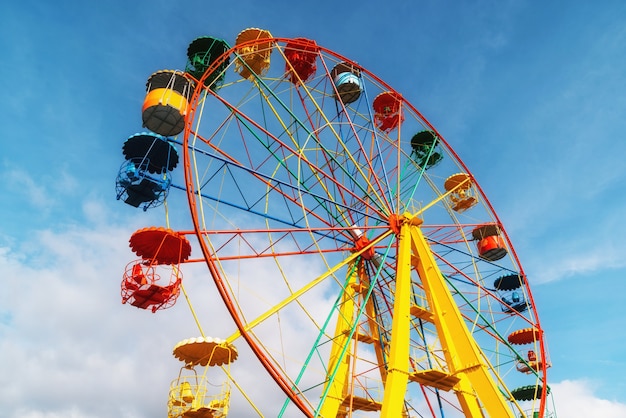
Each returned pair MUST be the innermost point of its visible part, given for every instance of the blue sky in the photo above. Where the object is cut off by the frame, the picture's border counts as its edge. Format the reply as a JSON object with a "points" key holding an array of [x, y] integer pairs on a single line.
{"points": [[530, 95]]}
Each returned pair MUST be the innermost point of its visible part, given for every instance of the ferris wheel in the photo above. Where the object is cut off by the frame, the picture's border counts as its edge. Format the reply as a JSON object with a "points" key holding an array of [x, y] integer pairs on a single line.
{"points": [[362, 265]]}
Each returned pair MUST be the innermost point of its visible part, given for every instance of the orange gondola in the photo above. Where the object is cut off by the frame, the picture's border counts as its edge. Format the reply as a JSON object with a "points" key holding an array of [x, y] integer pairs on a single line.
{"points": [[253, 59], [462, 196]]}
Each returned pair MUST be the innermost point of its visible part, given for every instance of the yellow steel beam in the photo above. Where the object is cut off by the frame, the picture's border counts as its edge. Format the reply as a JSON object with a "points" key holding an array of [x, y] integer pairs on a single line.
{"points": [[374, 329], [398, 361], [336, 386], [476, 390]]}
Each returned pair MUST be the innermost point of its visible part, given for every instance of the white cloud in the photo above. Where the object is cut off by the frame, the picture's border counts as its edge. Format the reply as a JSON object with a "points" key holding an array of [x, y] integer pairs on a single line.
{"points": [[21, 182], [577, 398], [69, 348], [605, 257]]}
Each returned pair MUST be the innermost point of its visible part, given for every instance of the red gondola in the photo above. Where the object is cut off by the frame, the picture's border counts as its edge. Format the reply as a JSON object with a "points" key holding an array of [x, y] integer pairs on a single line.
{"points": [[161, 250]]}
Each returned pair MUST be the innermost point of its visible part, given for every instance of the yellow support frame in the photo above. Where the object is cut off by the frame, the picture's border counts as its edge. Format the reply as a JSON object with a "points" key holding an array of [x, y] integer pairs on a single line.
{"points": [[340, 398], [398, 361], [340, 353], [476, 390]]}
